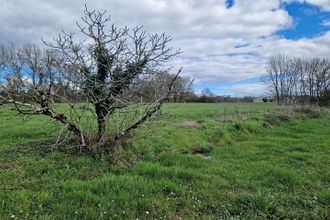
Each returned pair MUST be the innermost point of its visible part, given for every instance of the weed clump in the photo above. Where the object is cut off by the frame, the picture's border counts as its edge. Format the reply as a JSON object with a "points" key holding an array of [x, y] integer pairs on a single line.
{"points": [[273, 119], [309, 111], [204, 150], [245, 127]]}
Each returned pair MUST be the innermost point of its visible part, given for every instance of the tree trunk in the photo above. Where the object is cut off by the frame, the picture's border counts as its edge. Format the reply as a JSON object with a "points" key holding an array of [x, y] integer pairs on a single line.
{"points": [[101, 113], [101, 128]]}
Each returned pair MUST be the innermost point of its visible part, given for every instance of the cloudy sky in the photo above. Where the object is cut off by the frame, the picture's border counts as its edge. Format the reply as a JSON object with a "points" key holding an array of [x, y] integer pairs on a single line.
{"points": [[226, 43]]}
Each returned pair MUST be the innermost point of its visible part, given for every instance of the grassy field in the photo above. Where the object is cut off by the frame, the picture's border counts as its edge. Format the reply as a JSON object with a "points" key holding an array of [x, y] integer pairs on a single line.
{"points": [[195, 161]]}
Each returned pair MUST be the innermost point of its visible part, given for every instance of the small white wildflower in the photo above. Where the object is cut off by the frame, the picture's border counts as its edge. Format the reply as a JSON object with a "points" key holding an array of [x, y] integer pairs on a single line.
{"points": [[75, 212], [13, 216], [147, 212]]}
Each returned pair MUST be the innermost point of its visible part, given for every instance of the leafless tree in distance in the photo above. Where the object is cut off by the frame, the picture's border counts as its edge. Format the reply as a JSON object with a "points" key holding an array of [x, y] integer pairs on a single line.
{"points": [[293, 78]]}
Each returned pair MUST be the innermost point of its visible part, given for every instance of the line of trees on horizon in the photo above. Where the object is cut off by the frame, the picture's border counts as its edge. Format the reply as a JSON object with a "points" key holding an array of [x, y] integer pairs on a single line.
{"points": [[299, 80]]}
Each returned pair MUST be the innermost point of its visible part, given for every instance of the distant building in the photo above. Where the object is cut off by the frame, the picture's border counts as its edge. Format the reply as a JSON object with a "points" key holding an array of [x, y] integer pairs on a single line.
{"points": [[263, 99], [258, 100]]}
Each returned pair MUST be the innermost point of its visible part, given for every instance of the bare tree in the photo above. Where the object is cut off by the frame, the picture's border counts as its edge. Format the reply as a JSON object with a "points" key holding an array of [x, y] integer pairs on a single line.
{"points": [[158, 86], [100, 68], [182, 87], [292, 78], [322, 78], [273, 77], [207, 92], [281, 77]]}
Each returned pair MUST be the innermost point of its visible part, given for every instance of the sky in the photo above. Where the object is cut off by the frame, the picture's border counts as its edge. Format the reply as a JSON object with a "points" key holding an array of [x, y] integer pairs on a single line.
{"points": [[225, 43]]}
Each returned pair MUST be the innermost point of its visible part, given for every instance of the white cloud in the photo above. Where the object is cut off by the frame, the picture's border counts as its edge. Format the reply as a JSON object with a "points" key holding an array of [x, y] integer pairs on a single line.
{"points": [[182, 18], [324, 4], [219, 44], [246, 89], [326, 23]]}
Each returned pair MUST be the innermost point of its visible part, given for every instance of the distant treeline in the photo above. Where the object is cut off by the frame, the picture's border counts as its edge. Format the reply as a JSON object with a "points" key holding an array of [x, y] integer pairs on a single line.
{"points": [[192, 98], [299, 80]]}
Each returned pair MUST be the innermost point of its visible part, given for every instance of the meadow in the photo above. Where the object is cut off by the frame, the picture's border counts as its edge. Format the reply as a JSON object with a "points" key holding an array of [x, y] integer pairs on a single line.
{"points": [[194, 161]]}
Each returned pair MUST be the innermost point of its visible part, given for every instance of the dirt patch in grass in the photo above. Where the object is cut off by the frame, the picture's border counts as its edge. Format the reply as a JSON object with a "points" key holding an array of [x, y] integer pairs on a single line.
{"points": [[5, 166], [189, 124], [234, 192]]}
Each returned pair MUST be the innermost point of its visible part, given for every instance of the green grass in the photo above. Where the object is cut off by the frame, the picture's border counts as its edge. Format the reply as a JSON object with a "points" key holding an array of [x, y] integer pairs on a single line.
{"points": [[196, 161]]}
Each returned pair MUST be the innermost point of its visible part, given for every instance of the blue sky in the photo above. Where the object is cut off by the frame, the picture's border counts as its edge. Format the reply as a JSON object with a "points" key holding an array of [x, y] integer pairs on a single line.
{"points": [[309, 21], [228, 88]]}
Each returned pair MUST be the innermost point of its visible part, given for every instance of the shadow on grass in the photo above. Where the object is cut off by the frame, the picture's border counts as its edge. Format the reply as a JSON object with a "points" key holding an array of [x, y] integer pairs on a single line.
{"points": [[40, 148], [44, 148]]}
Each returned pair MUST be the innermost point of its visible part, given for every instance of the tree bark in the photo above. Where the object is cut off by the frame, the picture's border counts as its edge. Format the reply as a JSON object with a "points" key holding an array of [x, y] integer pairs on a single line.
{"points": [[101, 113]]}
